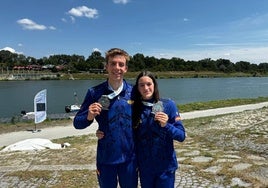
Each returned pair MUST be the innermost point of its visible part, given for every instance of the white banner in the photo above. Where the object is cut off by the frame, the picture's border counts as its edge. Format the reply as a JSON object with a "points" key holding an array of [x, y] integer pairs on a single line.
{"points": [[40, 106]]}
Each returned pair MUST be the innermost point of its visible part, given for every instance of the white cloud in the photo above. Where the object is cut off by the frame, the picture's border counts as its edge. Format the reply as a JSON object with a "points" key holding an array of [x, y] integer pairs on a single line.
{"points": [[52, 28], [72, 19], [234, 54], [121, 1], [64, 20], [83, 11], [10, 50], [31, 25], [96, 50], [252, 22]]}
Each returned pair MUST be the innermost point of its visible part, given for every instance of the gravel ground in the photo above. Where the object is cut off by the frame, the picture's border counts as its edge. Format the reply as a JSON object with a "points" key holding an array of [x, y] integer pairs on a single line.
{"points": [[229, 150]]}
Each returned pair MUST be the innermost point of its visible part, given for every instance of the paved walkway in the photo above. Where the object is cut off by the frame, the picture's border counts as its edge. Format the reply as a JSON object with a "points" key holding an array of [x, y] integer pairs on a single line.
{"points": [[220, 111], [46, 133], [69, 130]]}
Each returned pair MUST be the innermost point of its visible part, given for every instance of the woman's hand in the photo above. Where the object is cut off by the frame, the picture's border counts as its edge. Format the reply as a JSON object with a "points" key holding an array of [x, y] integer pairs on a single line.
{"points": [[99, 134], [162, 118]]}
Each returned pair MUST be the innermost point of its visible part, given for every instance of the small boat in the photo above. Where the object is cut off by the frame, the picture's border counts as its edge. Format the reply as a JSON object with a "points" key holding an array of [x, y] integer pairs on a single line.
{"points": [[27, 115], [74, 107]]}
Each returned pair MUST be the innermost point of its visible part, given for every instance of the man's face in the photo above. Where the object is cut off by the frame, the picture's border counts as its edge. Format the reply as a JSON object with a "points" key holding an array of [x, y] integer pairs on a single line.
{"points": [[116, 67]]}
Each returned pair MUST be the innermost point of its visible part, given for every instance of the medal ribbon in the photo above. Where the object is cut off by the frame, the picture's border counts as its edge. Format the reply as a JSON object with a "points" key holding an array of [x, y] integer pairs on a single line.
{"points": [[147, 103], [115, 93]]}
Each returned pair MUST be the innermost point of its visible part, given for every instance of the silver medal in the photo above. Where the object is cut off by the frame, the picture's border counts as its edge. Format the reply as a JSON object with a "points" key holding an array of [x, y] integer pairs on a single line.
{"points": [[157, 107], [105, 102]]}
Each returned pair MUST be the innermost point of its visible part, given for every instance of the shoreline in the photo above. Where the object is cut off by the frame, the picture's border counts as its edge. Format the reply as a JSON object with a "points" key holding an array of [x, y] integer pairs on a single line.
{"points": [[68, 130]]}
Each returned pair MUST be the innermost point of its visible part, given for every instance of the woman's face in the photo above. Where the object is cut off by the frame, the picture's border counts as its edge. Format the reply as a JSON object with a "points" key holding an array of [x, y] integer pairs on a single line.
{"points": [[146, 87]]}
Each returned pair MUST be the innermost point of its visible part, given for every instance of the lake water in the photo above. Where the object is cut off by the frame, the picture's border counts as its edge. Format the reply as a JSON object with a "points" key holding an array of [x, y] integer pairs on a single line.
{"points": [[16, 96]]}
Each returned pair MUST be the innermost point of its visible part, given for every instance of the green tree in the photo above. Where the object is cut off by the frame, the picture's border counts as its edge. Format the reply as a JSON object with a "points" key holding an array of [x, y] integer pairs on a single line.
{"points": [[95, 60], [242, 66], [207, 65], [150, 63], [179, 64], [225, 65], [263, 67], [137, 62]]}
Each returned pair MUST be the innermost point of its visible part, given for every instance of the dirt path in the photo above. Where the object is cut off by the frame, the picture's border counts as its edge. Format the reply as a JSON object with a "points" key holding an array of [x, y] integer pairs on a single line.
{"points": [[68, 130]]}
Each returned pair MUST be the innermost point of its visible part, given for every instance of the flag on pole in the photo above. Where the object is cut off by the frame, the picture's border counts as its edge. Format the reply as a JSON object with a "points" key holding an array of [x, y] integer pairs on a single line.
{"points": [[40, 106]]}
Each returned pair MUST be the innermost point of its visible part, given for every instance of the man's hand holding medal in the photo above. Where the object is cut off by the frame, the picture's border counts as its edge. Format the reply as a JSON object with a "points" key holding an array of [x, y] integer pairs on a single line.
{"points": [[95, 108], [105, 102], [160, 116]]}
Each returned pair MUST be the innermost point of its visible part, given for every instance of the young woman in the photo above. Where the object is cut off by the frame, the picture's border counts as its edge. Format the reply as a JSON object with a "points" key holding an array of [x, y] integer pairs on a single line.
{"points": [[156, 123]]}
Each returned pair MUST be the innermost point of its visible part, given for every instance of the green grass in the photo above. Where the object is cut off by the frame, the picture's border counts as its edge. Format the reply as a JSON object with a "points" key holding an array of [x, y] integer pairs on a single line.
{"points": [[19, 126], [219, 104], [160, 75]]}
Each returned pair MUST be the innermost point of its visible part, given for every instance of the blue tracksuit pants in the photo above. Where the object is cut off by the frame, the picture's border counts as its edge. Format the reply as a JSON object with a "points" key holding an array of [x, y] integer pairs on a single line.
{"points": [[125, 173]]}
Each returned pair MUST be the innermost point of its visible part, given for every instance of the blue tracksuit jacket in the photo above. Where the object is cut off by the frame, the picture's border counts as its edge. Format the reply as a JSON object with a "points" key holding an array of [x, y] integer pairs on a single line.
{"points": [[155, 150], [117, 146]]}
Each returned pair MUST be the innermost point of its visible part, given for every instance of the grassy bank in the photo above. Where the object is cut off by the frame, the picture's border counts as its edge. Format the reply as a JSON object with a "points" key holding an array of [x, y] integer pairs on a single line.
{"points": [[19, 126], [220, 103], [161, 75]]}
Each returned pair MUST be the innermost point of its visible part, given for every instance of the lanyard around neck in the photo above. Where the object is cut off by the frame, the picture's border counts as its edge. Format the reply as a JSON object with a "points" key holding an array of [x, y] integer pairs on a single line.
{"points": [[147, 103], [115, 92], [156, 107]]}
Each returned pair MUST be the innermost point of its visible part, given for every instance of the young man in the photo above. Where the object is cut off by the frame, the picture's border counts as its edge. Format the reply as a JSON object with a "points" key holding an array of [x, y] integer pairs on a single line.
{"points": [[110, 104]]}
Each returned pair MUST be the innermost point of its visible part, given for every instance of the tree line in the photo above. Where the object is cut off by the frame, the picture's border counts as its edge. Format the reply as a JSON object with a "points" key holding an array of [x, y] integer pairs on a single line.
{"points": [[78, 63]]}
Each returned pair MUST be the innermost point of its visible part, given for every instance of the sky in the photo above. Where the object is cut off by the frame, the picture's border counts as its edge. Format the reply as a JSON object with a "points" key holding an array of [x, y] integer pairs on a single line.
{"points": [[188, 29]]}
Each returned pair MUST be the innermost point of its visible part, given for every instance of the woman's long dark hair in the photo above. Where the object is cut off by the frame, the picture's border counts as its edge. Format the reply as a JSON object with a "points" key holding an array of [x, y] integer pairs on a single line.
{"points": [[137, 106]]}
